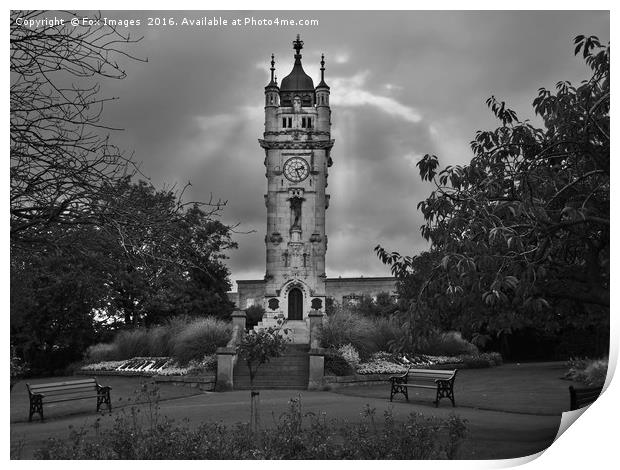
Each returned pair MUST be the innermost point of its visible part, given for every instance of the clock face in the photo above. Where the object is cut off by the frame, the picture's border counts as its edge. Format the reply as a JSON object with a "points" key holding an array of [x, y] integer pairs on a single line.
{"points": [[296, 169]]}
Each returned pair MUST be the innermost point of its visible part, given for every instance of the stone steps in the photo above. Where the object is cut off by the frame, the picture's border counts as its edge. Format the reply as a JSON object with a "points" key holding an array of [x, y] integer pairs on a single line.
{"points": [[289, 371]]}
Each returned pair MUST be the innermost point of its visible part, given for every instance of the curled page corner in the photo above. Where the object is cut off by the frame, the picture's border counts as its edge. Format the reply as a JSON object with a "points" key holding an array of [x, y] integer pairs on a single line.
{"points": [[568, 418]]}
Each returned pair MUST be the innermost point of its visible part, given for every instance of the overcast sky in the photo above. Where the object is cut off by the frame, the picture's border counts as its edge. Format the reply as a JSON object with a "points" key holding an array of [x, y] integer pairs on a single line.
{"points": [[403, 84]]}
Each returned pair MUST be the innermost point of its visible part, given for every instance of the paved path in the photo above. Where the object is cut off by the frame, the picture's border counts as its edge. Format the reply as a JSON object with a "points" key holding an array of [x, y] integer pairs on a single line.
{"points": [[528, 425]]}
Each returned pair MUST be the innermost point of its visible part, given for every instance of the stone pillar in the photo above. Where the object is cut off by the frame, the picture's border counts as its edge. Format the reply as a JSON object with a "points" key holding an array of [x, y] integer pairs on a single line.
{"points": [[317, 369], [225, 364], [238, 319], [316, 320]]}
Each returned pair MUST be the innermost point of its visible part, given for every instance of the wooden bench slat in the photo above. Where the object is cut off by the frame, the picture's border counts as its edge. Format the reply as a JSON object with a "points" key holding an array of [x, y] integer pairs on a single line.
{"points": [[419, 386], [62, 389], [429, 377], [90, 391], [68, 398], [60, 384]]}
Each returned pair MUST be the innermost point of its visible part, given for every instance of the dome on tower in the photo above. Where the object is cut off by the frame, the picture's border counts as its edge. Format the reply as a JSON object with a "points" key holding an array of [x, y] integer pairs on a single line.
{"points": [[297, 80], [297, 83]]}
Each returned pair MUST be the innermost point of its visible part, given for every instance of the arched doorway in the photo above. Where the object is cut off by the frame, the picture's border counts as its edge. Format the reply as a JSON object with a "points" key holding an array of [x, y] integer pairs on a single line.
{"points": [[295, 304]]}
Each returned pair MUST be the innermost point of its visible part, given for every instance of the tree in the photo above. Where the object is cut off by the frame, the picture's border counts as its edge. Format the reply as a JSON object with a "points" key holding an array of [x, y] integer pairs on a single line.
{"points": [[256, 348], [55, 293], [166, 257], [520, 235], [89, 279], [62, 160], [254, 315], [88, 243], [381, 305]]}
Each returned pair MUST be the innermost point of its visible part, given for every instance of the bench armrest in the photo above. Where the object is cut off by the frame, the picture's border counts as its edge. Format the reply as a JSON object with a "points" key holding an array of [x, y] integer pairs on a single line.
{"points": [[400, 379], [450, 379]]}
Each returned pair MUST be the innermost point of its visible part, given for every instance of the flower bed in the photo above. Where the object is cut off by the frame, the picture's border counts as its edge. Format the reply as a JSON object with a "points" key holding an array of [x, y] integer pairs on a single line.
{"points": [[591, 372], [153, 366], [386, 363]]}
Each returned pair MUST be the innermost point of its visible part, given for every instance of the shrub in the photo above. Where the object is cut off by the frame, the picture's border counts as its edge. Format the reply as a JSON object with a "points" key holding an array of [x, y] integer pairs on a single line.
{"points": [[331, 306], [389, 332], [184, 338], [344, 327], [18, 367], [382, 304], [253, 315], [199, 338], [206, 364], [102, 352], [494, 358], [591, 372], [335, 364], [132, 343], [350, 355], [295, 435], [447, 344], [596, 372], [475, 361], [160, 341]]}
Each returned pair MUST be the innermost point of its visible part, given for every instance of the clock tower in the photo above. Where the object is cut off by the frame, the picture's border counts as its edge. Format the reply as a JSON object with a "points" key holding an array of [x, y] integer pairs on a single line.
{"points": [[297, 144]]}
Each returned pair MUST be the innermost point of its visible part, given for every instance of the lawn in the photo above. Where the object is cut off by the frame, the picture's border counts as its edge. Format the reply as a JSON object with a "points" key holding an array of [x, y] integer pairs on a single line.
{"points": [[125, 391], [531, 388], [511, 410]]}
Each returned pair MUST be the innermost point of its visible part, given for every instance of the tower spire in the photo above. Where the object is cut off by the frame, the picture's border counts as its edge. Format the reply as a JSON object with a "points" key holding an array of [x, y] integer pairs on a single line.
{"points": [[273, 68], [273, 81], [322, 84], [298, 45]]}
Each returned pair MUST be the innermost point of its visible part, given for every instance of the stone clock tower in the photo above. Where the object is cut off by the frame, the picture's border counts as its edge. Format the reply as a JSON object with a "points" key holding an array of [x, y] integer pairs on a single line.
{"points": [[297, 143]]}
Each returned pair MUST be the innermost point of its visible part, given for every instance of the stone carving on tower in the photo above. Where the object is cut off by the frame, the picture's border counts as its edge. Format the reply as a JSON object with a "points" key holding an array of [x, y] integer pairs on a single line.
{"points": [[297, 144]]}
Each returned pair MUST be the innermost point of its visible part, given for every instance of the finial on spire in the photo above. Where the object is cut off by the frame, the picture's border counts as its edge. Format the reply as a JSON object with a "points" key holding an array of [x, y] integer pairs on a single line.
{"points": [[322, 67], [298, 45], [273, 68]]}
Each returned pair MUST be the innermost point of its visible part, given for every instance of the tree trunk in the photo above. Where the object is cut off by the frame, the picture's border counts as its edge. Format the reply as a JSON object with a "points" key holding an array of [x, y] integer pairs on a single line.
{"points": [[255, 412]]}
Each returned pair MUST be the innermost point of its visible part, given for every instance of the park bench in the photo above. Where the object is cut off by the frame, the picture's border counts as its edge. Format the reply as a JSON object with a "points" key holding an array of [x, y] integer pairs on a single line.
{"points": [[580, 397], [66, 391], [440, 380]]}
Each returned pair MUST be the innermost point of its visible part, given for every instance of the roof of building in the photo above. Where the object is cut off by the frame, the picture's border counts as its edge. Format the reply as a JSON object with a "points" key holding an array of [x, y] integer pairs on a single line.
{"points": [[298, 79]]}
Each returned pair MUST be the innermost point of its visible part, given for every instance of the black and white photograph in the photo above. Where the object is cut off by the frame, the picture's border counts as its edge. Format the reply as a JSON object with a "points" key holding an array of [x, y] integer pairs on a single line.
{"points": [[308, 234]]}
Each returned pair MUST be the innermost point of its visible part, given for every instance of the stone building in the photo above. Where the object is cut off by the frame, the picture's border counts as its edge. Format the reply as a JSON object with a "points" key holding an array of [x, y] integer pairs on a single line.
{"points": [[298, 154]]}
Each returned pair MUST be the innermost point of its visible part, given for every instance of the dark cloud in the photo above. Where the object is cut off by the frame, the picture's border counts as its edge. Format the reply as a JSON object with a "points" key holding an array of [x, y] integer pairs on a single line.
{"points": [[403, 84]]}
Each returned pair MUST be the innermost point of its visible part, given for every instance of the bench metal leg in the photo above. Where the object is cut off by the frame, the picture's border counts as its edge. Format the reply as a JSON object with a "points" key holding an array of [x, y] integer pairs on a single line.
{"points": [[445, 389], [103, 398], [396, 389], [36, 406]]}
